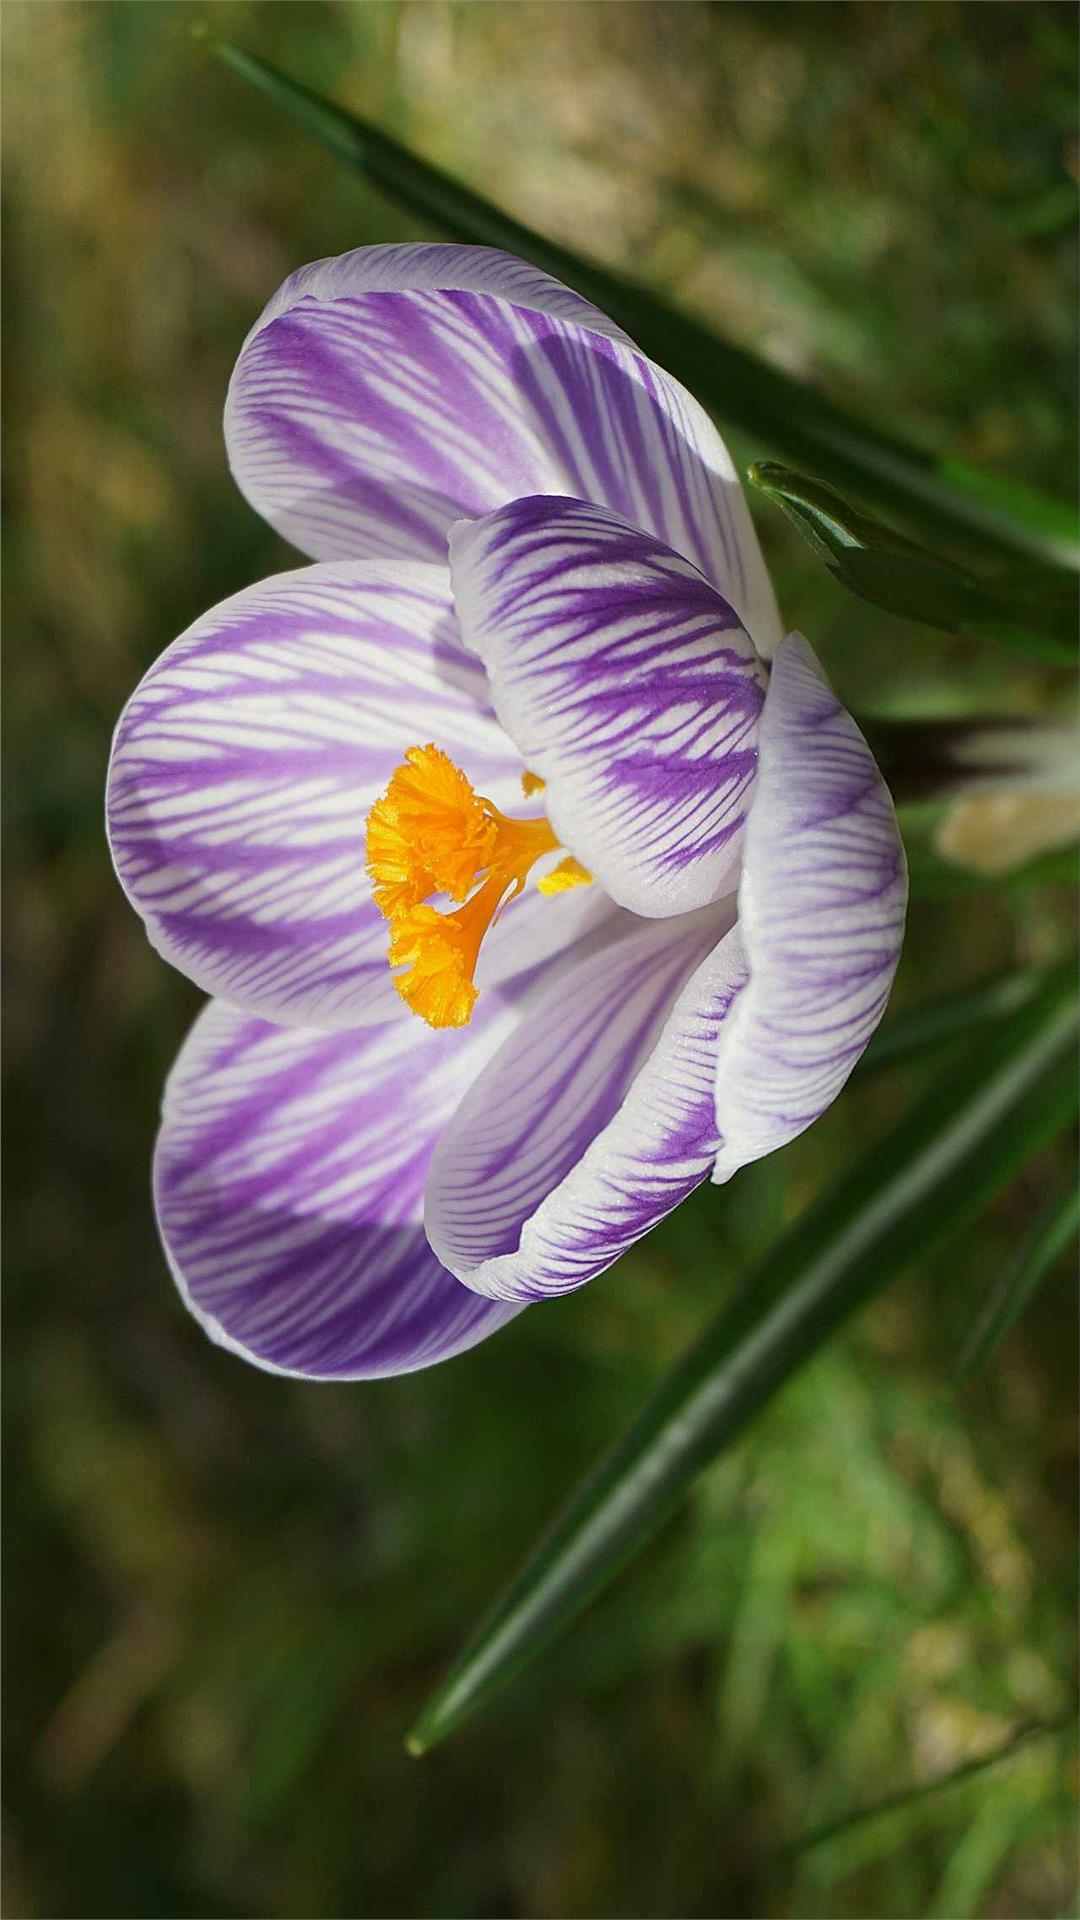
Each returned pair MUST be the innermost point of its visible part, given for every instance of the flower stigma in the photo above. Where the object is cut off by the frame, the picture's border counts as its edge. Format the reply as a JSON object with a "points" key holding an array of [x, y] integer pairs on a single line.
{"points": [[431, 833]]}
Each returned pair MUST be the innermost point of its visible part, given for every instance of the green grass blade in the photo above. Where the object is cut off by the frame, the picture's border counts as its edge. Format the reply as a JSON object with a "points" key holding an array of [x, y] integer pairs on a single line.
{"points": [[743, 390], [1059, 1225], [880, 566], [953, 1151], [928, 1789], [1021, 503]]}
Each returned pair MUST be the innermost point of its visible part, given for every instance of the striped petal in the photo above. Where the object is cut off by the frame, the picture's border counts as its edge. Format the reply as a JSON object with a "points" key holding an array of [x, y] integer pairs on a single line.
{"points": [[387, 393], [596, 1117], [627, 683], [821, 913], [289, 1179], [244, 767]]}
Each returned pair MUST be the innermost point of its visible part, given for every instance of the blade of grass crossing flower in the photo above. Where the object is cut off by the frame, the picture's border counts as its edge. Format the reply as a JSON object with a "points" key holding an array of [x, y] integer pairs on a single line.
{"points": [[745, 391], [1058, 1226], [954, 1150]]}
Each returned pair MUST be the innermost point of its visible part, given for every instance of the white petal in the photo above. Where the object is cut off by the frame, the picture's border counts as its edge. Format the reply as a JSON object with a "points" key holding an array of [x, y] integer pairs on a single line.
{"points": [[246, 763], [288, 1181], [821, 912], [595, 1118], [387, 393], [627, 682]]}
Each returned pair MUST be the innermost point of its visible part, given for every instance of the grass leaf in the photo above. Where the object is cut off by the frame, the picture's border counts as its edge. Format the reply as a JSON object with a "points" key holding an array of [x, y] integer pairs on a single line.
{"points": [[1005, 1304], [926, 1789], [879, 565]]}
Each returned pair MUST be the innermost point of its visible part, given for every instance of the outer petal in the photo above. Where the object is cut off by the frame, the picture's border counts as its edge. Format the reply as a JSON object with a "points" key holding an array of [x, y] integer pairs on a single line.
{"points": [[244, 766], [821, 913], [387, 393], [596, 1117], [627, 682], [288, 1181]]}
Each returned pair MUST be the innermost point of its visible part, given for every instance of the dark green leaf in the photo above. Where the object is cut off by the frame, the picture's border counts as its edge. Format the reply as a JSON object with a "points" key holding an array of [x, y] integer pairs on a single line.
{"points": [[1053, 1233], [954, 1150], [881, 566], [746, 391]]}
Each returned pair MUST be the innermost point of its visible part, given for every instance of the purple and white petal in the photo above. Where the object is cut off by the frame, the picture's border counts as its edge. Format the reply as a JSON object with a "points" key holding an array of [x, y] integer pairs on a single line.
{"points": [[627, 683], [537, 927], [596, 1117], [821, 914], [246, 763], [386, 393], [244, 767], [289, 1181]]}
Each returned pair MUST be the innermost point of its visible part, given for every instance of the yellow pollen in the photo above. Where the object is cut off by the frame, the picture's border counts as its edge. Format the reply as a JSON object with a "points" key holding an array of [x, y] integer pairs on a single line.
{"points": [[532, 783], [430, 833], [569, 873]]}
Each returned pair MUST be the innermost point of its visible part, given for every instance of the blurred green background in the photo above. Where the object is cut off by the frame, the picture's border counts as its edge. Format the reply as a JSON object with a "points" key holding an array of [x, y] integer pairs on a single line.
{"points": [[227, 1594]]}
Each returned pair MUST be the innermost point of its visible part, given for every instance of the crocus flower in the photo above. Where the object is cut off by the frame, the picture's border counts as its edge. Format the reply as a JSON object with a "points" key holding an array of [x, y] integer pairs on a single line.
{"points": [[535, 876]]}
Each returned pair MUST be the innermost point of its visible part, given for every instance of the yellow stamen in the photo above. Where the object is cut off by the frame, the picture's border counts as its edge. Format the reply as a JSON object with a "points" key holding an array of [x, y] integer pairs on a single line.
{"points": [[438, 984], [569, 873], [531, 783], [431, 833]]}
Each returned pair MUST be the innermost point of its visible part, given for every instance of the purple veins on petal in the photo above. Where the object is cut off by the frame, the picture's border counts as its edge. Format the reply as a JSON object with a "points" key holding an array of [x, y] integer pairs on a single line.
{"points": [[244, 767], [289, 1178], [822, 905], [627, 683], [387, 393], [596, 1117]]}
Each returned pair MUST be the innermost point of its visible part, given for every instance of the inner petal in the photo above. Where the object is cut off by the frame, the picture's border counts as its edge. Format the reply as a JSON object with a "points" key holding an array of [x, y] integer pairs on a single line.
{"points": [[595, 1117], [628, 685]]}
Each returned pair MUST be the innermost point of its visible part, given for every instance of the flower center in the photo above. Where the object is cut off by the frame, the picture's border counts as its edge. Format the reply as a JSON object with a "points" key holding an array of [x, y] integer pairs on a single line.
{"points": [[429, 833]]}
